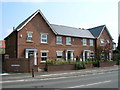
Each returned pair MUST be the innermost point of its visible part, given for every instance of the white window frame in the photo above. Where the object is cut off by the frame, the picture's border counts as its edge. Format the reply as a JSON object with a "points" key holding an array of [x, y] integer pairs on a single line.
{"points": [[44, 56], [68, 41], [108, 41], [58, 39], [102, 41], [46, 38], [91, 42], [59, 55], [29, 35], [84, 42]]}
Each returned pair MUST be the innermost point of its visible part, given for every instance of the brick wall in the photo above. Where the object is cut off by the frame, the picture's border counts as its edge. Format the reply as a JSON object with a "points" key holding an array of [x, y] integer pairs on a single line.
{"points": [[19, 65], [11, 45], [107, 64]]}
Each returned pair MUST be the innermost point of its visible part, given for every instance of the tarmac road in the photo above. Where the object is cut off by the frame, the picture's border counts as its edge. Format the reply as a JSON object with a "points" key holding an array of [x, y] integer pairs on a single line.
{"points": [[94, 80]]}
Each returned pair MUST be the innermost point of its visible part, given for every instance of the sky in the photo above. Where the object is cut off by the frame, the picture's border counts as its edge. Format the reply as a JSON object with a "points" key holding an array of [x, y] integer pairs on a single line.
{"points": [[76, 13]]}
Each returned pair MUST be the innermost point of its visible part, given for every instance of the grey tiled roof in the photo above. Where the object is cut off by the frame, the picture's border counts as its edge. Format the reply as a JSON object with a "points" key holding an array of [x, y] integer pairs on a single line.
{"points": [[71, 31], [96, 30]]}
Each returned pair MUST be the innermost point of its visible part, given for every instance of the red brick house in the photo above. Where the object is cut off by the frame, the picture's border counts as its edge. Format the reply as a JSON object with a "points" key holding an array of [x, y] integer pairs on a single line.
{"points": [[37, 36]]}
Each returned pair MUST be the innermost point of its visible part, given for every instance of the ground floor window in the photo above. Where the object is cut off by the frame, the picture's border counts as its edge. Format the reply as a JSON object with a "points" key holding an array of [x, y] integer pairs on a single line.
{"points": [[44, 56], [59, 55]]}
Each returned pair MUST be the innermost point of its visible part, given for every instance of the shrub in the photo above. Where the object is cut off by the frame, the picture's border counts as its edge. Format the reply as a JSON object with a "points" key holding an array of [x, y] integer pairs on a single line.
{"points": [[50, 62], [96, 63], [58, 62], [80, 65]]}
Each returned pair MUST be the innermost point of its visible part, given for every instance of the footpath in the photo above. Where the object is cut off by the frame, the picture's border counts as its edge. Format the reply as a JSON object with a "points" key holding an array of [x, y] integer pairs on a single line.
{"points": [[45, 75]]}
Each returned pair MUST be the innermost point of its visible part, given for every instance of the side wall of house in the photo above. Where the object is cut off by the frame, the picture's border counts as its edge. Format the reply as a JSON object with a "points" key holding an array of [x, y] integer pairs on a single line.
{"points": [[11, 45], [105, 36]]}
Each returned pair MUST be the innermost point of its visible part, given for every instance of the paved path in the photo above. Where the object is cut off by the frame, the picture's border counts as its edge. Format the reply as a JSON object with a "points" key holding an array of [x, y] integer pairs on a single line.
{"points": [[44, 75]]}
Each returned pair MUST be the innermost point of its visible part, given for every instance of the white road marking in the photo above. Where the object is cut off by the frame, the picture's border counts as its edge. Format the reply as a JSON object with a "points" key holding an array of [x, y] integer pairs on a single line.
{"points": [[34, 79], [90, 84]]}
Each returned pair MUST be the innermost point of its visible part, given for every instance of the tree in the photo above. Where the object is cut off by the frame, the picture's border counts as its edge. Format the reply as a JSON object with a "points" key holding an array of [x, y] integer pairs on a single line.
{"points": [[118, 47]]}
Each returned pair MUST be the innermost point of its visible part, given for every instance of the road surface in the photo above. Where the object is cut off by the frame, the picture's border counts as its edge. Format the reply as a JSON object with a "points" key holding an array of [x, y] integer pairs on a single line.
{"points": [[95, 80]]}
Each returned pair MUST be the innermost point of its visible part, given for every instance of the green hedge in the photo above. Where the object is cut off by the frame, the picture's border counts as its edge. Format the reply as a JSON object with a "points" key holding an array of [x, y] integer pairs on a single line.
{"points": [[59, 62]]}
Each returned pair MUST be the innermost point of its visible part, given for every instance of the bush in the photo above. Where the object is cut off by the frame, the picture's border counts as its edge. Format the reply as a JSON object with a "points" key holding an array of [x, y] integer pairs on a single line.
{"points": [[80, 65], [59, 62], [96, 63]]}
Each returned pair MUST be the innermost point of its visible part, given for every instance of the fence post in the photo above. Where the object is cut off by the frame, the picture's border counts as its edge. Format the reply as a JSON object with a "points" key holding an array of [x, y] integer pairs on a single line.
{"points": [[32, 72]]}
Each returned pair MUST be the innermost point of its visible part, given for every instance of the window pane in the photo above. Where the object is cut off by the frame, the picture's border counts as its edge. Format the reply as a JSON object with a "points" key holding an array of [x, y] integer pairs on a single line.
{"points": [[68, 40], [91, 42], [44, 40], [101, 41], [29, 38], [84, 42], [44, 58], [59, 39], [44, 54], [59, 53], [59, 56], [44, 36], [29, 34]]}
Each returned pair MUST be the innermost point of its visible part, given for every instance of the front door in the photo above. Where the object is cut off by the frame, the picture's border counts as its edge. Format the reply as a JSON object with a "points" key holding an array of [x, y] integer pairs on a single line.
{"points": [[69, 55], [32, 52]]}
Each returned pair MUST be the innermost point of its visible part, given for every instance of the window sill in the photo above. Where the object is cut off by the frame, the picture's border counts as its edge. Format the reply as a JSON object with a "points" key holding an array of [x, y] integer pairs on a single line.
{"points": [[68, 44], [44, 43], [91, 45], [29, 41], [59, 44], [85, 45], [42, 61]]}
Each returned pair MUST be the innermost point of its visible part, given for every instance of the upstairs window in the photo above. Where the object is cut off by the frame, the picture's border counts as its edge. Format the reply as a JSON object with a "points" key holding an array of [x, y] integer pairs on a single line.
{"points": [[29, 36], [91, 42], [44, 38], [84, 42], [68, 40], [59, 39], [101, 42]]}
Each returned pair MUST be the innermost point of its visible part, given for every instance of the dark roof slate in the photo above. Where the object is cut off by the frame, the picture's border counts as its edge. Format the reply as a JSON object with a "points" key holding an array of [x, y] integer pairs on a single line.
{"points": [[96, 30]]}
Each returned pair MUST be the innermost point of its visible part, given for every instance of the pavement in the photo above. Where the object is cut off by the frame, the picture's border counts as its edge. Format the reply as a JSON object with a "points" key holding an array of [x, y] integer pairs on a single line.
{"points": [[45, 75]]}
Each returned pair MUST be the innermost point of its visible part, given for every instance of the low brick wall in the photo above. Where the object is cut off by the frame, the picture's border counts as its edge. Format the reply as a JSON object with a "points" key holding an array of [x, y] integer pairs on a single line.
{"points": [[89, 65], [42, 65], [19, 65], [107, 64], [61, 67]]}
